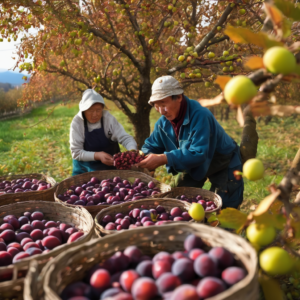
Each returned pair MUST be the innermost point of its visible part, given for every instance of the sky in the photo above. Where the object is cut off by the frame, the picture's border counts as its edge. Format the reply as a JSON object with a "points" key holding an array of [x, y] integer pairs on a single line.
{"points": [[7, 51]]}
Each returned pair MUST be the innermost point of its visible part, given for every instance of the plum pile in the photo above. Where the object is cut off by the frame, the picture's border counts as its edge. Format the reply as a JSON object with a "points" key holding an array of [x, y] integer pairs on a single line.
{"points": [[108, 191], [192, 274], [143, 216], [31, 234], [124, 160], [205, 202], [22, 185]]}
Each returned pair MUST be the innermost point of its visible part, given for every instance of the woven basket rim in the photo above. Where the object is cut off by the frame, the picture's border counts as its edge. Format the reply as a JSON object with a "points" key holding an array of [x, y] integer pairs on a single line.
{"points": [[252, 269], [94, 174], [136, 202], [176, 190], [24, 262], [47, 178]]}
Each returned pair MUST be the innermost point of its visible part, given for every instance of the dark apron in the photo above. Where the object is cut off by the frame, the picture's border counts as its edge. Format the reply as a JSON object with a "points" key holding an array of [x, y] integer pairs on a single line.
{"points": [[95, 141], [222, 180]]}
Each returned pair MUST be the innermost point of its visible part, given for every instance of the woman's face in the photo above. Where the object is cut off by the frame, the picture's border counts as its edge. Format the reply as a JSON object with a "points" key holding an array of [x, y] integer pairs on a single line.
{"points": [[94, 113]]}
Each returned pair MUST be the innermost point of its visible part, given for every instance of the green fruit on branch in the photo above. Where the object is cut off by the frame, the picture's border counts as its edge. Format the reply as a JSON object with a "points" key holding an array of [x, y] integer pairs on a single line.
{"points": [[231, 68], [279, 60], [240, 89], [261, 235], [211, 55], [181, 58], [225, 69], [207, 84], [182, 75], [275, 261], [242, 11], [225, 53], [253, 169], [219, 28], [150, 41]]}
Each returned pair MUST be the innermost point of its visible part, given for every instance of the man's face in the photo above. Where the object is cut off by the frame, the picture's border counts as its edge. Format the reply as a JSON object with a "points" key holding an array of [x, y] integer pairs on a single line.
{"points": [[94, 113], [168, 107]]}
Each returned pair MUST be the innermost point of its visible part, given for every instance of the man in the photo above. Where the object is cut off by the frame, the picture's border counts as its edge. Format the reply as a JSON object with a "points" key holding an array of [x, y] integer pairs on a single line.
{"points": [[188, 140]]}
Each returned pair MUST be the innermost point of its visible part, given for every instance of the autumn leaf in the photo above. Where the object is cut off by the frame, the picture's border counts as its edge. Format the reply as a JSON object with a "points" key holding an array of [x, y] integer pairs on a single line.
{"points": [[274, 14], [222, 81], [265, 204], [212, 102], [232, 218], [271, 288], [254, 63], [246, 36], [288, 9], [274, 220]]}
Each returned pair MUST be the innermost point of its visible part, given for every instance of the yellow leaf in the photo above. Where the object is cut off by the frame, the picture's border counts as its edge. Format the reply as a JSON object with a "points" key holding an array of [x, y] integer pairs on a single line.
{"points": [[232, 218], [222, 81], [254, 62], [274, 14], [271, 288], [288, 9], [246, 36], [275, 220], [265, 204]]}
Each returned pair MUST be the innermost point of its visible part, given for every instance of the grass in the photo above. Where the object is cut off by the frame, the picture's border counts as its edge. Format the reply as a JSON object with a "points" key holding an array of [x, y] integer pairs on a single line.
{"points": [[44, 148]]}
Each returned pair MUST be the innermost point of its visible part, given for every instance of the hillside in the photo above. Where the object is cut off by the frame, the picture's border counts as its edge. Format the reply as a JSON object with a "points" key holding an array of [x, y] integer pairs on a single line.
{"points": [[12, 78]]}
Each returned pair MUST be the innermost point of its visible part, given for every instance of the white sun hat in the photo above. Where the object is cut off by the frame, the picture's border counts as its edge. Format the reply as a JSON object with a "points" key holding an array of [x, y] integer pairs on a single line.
{"points": [[89, 98], [165, 86]]}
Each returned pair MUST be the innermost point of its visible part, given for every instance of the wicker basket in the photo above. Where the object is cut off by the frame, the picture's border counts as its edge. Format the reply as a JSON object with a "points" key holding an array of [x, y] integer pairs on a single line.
{"points": [[73, 264], [192, 192], [77, 216], [123, 174], [45, 195], [168, 204]]}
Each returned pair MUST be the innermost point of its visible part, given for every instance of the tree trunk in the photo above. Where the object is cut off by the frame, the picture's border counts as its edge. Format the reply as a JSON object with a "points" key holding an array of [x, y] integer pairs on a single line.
{"points": [[249, 141], [141, 119], [141, 125], [227, 112]]}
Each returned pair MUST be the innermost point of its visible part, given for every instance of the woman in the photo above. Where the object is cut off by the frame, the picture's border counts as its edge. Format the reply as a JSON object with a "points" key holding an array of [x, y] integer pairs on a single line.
{"points": [[95, 136]]}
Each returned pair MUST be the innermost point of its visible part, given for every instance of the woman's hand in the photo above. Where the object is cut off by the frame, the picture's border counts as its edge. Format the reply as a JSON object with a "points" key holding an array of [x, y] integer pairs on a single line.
{"points": [[105, 158], [153, 161]]}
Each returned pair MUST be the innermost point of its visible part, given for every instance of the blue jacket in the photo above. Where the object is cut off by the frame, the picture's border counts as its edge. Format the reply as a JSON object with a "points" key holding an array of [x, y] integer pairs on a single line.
{"points": [[200, 137]]}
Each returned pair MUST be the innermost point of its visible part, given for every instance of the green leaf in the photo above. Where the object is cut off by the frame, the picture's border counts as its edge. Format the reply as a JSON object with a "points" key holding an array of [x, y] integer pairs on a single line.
{"points": [[232, 218], [278, 221], [246, 36], [288, 9], [271, 288]]}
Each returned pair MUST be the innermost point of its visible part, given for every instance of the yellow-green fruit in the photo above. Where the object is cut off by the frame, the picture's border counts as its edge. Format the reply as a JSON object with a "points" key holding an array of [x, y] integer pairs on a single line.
{"points": [[242, 11], [197, 212], [261, 235], [211, 55], [275, 261], [207, 84], [225, 53], [182, 75], [240, 89], [225, 69], [181, 58], [219, 28], [231, 68], [279, 60], [253, 169], [150, 41]]}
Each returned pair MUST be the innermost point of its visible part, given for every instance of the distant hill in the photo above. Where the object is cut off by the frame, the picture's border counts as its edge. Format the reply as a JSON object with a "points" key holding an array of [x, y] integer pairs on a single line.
{"points": [[12, 78]]}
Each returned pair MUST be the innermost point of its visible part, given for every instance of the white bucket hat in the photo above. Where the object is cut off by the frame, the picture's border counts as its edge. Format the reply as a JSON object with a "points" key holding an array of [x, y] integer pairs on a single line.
{"points": [[90, 97], [165, 86]]}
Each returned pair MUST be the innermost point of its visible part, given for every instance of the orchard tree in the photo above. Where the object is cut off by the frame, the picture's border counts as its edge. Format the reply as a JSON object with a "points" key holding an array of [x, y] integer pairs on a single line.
{"points": [[120, 47]]}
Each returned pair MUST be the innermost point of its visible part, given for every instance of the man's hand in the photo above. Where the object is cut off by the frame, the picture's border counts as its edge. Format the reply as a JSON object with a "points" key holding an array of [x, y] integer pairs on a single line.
{"points": [[153, 161], [105, 158]]}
